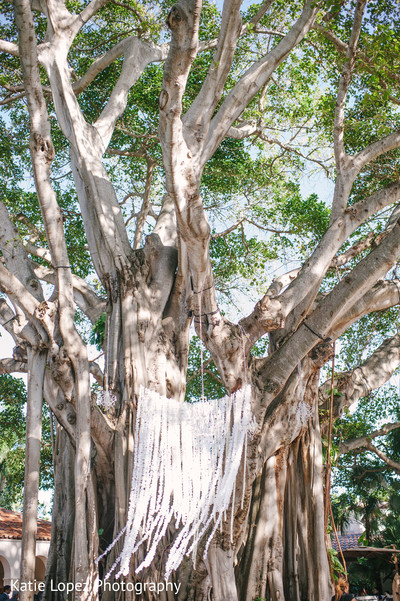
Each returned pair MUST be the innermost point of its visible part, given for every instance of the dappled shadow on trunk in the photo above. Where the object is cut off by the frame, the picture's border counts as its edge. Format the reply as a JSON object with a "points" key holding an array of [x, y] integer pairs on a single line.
{"points": [[60, 557], [284, 557]]}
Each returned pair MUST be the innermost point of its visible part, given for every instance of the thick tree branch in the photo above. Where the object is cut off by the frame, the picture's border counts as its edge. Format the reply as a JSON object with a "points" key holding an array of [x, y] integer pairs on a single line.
{"points": [[36, 371], [199, 115], [85, 297], [101, 62], [40, 253], [96, 372], [14, 255], [165, 227], [87, 13], [137, 55], [10, 366], [8, 318], [382, 296], [362, 441], [354, 286], [104, 225], [42, 153], [37, 316], [195, 276], [355, 250], [253, 80], [265, 6], [17, 326], [243, 130], [373, 151], [9, 48], [369, 376], [315, 268], [289, 306], [98, 65]]}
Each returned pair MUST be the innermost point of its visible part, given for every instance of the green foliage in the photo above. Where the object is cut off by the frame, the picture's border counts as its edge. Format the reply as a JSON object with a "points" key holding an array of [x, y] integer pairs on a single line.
{"points": [[365, 486], [12, 444], [335, 563], [213, 387], [98, 332], [257, 183]]}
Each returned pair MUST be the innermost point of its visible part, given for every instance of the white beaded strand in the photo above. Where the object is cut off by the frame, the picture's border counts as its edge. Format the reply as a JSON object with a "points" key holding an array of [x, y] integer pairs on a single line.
{"points": [[186, 461], [187, 458]]}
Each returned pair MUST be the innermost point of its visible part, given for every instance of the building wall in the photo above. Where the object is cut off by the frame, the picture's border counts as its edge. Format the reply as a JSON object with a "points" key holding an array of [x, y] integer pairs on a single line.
{"points": [[10, 558]]}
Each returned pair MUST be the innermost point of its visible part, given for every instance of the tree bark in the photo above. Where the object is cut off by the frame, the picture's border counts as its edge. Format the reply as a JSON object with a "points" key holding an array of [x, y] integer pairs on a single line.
{"points": [[154, 293], [36, 366]]}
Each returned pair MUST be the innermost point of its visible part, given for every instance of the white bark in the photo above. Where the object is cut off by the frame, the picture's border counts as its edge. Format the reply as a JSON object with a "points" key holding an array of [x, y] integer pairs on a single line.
{"points": [[363, 441], [153, 293], [42, 153], [289, 306], [36, 367], [370, 375], [332, 308], [137, 55], [9, 366], [9, 48], [383, 295], [33, 311], [253, 80], [85, 297], [199, 116], [15, 257]]}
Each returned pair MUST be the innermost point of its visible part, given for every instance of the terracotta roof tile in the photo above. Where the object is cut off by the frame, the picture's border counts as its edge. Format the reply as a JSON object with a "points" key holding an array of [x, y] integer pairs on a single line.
{"points": [[347, 541], [11, 526]]}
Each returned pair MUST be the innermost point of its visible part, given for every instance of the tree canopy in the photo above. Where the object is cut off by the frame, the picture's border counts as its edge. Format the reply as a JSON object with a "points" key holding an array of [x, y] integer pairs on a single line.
{"points": [[231, 170]]}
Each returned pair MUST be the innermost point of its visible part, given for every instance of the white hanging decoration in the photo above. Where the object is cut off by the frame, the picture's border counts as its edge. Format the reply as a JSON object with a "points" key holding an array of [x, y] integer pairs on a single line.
{"points": [[304, 411], [106, 400], [186, 460]]}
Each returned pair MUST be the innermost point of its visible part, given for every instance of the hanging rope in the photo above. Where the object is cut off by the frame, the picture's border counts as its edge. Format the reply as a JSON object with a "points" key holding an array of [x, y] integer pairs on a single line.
{"points": [[328, 504], [107, 399], [329, 448], [338, 541]]}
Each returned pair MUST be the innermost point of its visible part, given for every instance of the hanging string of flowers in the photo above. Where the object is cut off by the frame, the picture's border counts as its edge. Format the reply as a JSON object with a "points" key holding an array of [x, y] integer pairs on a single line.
{"points": [[186, 460]]}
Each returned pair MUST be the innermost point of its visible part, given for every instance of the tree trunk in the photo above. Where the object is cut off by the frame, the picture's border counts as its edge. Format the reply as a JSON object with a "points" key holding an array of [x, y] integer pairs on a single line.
{"points": [[36, 363], [279, 539], [284, 556], [60, 559]]}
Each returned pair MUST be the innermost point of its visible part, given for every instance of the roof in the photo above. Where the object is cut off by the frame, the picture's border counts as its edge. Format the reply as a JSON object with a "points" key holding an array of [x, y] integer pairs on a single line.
{"points": [[352, 550], [347, 541], [11, 526], [370, 552]]}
